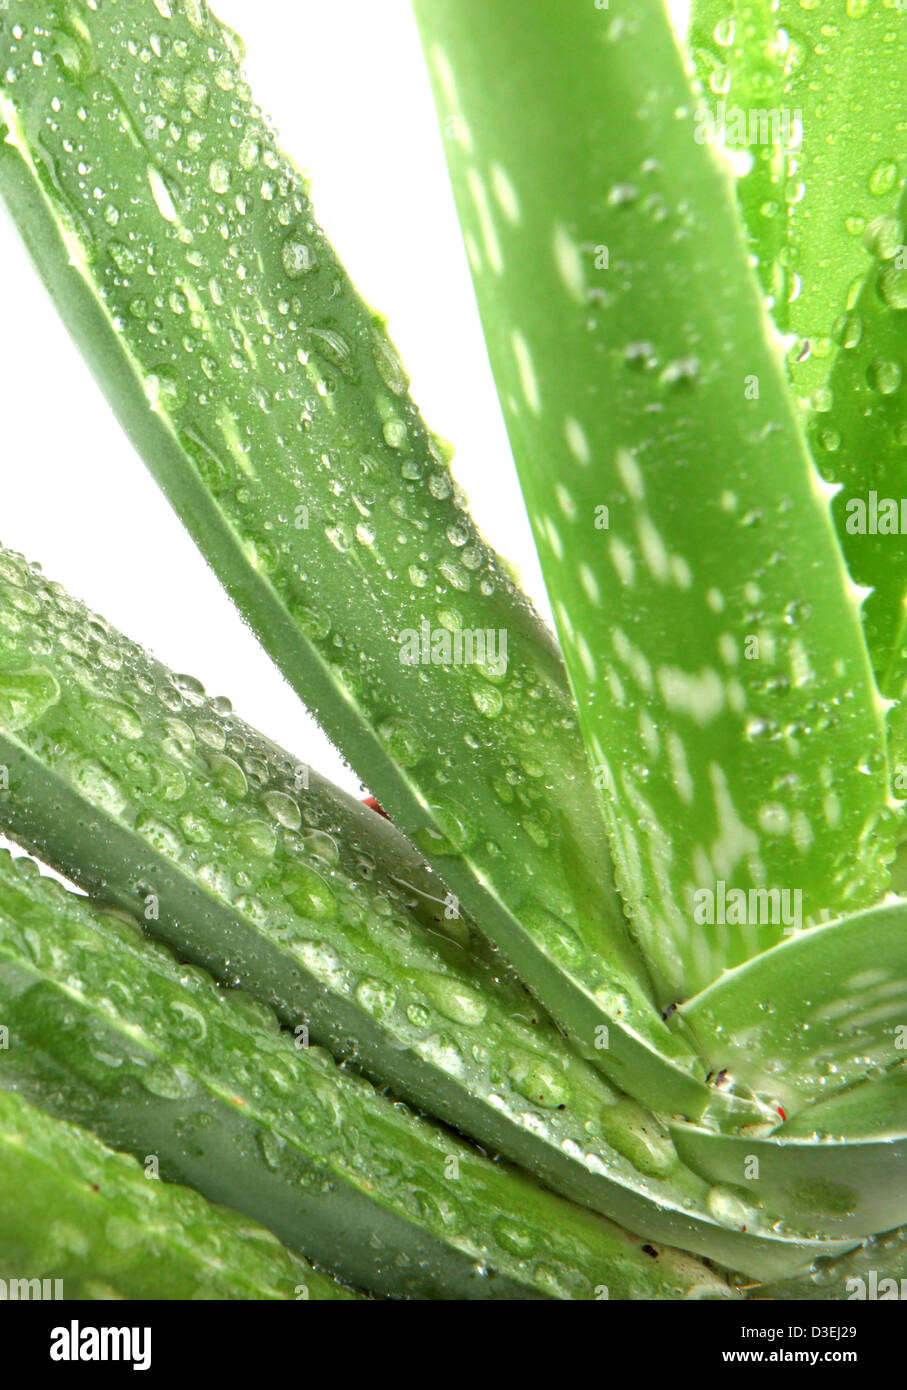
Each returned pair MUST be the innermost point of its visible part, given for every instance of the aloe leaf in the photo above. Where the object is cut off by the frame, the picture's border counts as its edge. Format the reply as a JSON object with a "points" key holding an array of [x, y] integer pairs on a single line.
{"points": [[126, 778], [795, 69], [874, 1108], [269, 403], [859, 441], [852, 1187], [875, 1270], [826, 216], [76, 1211], [709, 626], [812, 1015], [108, 1030]]}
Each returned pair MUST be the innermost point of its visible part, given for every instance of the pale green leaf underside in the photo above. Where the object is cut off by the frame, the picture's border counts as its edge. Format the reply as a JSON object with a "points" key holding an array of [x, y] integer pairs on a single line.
{"points": [[874, 1108], [267, 400], [813, 1015], [708, 624], [848, 1188], [874, 1270]]}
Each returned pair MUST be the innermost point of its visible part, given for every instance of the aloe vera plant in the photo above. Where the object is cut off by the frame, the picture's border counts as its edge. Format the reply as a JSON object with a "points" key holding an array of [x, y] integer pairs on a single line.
{"points": [[630, 925], [286, 467], [261, 872]]}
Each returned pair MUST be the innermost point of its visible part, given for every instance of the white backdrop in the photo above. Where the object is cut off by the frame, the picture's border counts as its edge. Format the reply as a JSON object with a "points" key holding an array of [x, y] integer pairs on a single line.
{"points": [[346, 88]]}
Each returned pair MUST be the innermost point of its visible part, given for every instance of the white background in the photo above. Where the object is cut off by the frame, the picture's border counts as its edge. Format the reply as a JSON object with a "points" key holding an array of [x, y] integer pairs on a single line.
{"points": [[346, 87]]}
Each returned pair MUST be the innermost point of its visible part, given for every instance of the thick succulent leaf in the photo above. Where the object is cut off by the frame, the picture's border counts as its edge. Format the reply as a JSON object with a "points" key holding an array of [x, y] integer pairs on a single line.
{"points": [[814, 1014], [859, 440], [876, 1107], [849, 1188], [709, 626], [875, 1270], [825, 215], [126, 778], [79, 1212], [107, 1030], [820, 89], [180, 245]]}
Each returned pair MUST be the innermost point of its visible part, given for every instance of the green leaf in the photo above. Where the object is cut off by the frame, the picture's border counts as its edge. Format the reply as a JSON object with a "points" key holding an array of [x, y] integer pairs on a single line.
{"points": [[742, 63], [827, 160], [849, 1188], [873, 1271], [812, 1015], [161, 801], [76, 1211], [109, 1031], [826, 216], [876, 1107], [708, 623], [860, 444], [269, 403]]}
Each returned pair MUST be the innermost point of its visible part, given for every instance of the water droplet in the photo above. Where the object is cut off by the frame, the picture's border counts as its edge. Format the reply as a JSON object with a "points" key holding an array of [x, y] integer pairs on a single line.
{"points": [[196, 94], [228, 774], [297, 256], [516, 1239], [257, 838], [25, 696], [885, 376], [99, 786], [390, 368], [158, 834], [680, 373], [555, 937], [283, 808], [538, 1080], [191, 1025], [323, 961], [453, 998], [171, 1083], [487, 700], [273, 1148], [376, 998], [308, 892], [219, 176], [883, 177], [402, 741], [883, 237], [893, 287], [395, 434], [731, 1210]]}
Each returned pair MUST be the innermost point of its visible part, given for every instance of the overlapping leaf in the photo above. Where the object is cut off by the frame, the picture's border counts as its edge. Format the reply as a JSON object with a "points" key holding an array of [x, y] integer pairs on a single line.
{"points": [[125, 777], [825, 213], [109, 1031], [78, 1213], [708, 623], [813, 1015], [181, 247]]}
